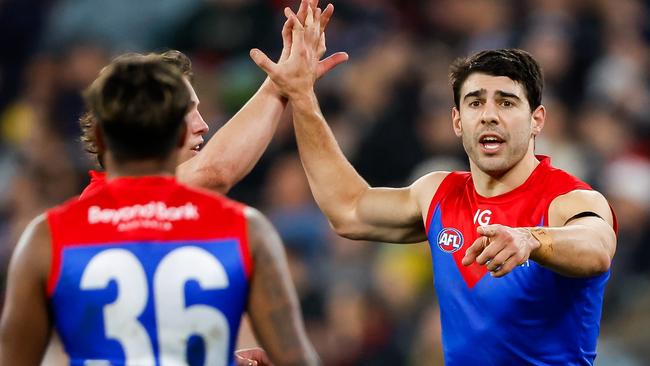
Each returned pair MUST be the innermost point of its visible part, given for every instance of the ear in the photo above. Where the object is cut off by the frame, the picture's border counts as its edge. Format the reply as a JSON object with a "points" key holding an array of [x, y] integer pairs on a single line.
{"points": [[455, 118], [537, 120]]}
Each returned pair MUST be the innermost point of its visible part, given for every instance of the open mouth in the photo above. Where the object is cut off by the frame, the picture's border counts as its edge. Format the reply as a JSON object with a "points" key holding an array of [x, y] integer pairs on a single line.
{"points": [[196, 148], [491, 142]]}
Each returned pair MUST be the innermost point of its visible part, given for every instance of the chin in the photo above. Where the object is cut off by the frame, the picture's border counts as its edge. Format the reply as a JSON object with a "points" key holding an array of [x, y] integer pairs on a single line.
{"points": [[494, 166]]}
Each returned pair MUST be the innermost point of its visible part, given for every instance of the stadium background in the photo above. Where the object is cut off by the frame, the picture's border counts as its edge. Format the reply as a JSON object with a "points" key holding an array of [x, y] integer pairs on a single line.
{"points": [[389, 107]]}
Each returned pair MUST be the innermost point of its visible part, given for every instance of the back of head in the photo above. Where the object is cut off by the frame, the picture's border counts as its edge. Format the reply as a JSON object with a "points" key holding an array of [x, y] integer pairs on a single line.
{"points": [[515, 64], [139, 104], [88, 122]]}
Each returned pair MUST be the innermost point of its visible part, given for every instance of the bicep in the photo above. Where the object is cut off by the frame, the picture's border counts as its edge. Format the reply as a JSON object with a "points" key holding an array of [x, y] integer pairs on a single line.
{"points": [[25, 324], [396, 215], [588, 209], [388, 215], [273, 303], [200, 172]]}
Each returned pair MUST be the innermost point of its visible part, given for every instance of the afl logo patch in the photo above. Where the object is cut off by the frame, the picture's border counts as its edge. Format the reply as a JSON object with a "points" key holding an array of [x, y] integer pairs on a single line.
{"points": [[450, 240]]}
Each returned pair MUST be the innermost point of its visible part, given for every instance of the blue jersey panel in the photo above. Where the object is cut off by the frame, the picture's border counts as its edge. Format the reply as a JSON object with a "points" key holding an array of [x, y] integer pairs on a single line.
{"points": [[106, 293], [529, 317]]}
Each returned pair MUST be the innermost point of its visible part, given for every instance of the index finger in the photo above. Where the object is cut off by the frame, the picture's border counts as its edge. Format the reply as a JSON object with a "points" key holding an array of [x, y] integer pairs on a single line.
{"points": [[488, 230], [475, 250]]}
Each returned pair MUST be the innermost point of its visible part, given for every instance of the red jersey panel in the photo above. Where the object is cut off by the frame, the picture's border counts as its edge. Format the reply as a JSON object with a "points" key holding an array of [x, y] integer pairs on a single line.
{"points": [[532, 315], [145, 270]]}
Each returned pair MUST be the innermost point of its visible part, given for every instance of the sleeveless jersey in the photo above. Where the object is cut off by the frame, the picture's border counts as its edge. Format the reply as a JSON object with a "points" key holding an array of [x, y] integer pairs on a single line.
{"points": [[146, 271], [531, 316], [97, 181]]}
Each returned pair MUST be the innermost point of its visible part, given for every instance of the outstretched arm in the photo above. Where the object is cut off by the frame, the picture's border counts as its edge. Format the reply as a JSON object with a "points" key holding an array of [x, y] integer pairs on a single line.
{"points": [[273, 304], [25, 325], [354, 209], [579, 242], [233, 150]]}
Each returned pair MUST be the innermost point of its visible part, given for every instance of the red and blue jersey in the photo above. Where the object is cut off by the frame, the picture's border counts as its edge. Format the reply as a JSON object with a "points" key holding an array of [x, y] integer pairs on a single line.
{"points": [[531, 316], [147, 271], [97, 181]]}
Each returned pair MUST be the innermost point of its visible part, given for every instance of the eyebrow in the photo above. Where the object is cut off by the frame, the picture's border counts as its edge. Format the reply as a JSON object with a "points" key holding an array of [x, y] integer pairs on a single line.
{"points": [[498, 93], [475, 93], [503, 94]]}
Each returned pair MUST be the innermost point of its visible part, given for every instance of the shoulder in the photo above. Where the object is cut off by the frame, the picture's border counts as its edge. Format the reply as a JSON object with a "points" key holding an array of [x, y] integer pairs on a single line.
{"points": [[38, 227], [562, 181], [34, 247], [63, 210], [258, 224], [264, 241], [425, 188]]}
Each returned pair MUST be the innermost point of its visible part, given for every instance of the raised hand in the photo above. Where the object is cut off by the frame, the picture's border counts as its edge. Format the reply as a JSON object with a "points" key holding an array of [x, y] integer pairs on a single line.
{"points": [[330, 62], [306, 28], [500, 248], [297, 73]]}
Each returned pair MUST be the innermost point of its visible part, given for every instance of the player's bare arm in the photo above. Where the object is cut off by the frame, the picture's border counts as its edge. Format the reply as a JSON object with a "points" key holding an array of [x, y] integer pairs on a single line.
{"points": [[273, 303], [355, 210], [579, 242], [237, 146], [26, 324]]}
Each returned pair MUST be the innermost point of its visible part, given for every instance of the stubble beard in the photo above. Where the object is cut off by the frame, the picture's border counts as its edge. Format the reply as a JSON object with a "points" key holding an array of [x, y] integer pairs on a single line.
{"points": [[497, 165]]}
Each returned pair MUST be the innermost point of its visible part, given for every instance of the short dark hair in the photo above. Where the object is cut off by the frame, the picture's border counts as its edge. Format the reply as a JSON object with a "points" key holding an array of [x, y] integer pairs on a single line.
{"points": [[514, 63], [87, 121], [139, 104]]}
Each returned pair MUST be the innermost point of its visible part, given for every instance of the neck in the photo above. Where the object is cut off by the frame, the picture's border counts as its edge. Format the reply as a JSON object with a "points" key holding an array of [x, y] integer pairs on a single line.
{"points": [[140, 168], [491, 185]]}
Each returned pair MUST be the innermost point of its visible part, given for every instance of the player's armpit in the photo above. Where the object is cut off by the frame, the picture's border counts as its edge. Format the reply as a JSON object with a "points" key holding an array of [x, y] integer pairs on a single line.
{"points": [[26, 324], [273, 303]]}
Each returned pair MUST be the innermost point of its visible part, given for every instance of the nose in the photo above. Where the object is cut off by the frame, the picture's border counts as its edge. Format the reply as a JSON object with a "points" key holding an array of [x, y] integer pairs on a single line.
{"points": [[490, 114], [199, 127]]}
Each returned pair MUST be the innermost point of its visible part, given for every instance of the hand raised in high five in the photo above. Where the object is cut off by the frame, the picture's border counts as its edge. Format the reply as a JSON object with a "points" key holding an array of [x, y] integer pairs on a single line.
{"points": [[304, 44]]}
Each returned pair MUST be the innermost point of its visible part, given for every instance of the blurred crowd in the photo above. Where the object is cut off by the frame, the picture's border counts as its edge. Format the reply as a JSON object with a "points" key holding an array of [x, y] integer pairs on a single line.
{"points": [[389, 107]]}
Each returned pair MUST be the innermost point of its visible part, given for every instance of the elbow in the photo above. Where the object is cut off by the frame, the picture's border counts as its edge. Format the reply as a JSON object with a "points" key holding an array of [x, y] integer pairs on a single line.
{"points": [[597, 260], [603, 260], [217, 179], [208, 177], [602, 263]]}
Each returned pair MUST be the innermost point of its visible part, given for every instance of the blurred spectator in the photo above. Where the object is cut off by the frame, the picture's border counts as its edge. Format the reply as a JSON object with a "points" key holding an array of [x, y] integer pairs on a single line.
{"points": [[390, 109]]}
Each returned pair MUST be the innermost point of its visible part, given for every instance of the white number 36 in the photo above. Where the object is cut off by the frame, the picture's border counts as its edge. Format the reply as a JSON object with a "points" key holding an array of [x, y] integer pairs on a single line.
{"points": [[175, 322]]}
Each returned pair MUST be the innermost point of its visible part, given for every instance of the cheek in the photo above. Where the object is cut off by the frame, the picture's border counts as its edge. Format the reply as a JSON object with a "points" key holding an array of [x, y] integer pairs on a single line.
{"points": [[521, 136], [468, 141], [193, 120]]}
